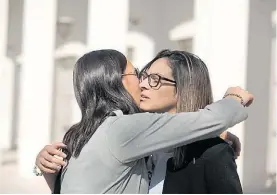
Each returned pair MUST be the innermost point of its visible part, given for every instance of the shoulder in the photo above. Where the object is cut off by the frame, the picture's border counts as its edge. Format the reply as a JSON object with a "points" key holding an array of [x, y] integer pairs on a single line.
{"points": [[219, 152]]}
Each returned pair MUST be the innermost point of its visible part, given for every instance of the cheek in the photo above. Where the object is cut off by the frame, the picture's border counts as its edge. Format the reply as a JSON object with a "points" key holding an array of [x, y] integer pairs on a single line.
{"points": [[160, 100], [131, 84], [167, 98], [135, 85], [167, 92], [134, 88]]}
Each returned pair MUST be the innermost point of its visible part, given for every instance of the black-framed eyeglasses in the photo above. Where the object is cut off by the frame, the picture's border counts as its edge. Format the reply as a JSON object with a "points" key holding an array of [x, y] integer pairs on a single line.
{"points": [[154, 80], [136, 72]]}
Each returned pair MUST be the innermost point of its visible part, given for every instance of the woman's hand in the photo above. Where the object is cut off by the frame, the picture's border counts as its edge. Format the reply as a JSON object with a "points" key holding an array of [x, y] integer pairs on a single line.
{"points": [[50, 158], [233, 140], [241, 95]]}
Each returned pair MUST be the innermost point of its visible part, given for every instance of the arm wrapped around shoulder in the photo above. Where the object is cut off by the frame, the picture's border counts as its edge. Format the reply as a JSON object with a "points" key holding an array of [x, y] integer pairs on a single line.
{"points": [[135, 136]]}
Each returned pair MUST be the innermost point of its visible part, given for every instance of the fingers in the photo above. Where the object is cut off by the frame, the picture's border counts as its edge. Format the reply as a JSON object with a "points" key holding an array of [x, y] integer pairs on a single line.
{"points": [[58, 145], [237, 147], [49, 165], [50, 158], [229, 142], [236, 152], [249, 102], [54, 160], [234, 142], [53, 150], [44, 168]]}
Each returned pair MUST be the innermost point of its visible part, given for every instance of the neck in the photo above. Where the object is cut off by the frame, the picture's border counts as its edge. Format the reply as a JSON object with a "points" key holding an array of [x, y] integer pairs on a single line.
{"points": [[172, 111]]}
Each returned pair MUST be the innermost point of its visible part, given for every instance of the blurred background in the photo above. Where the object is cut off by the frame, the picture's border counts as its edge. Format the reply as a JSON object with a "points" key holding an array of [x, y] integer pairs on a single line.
{"points": [[40, 40]]}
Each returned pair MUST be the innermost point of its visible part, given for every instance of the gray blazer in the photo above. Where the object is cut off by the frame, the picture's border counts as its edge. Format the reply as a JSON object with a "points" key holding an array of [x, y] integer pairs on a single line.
{"points": [[113, 159]]}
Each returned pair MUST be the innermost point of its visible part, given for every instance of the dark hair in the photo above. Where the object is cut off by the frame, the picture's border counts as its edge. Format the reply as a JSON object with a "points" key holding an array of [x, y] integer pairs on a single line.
{"points": [[193, 86], [99, 91]]}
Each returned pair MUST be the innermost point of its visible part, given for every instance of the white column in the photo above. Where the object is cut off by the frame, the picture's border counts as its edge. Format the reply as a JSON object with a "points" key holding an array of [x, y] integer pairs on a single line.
{"points": [[4, 9], [107, 24], [6, 80], [4, 120], [271, 151], [234, 38], [257, 126], [39, 21], [221, 41]]}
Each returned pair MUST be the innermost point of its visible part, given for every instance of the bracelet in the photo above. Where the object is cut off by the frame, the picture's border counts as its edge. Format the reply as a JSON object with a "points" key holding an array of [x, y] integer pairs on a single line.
{"points": [[37, 171], [233, 94]]}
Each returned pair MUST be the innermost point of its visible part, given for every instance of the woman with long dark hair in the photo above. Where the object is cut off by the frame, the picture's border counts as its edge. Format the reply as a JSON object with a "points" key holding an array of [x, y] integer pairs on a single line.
{"points": [[107, 148]]}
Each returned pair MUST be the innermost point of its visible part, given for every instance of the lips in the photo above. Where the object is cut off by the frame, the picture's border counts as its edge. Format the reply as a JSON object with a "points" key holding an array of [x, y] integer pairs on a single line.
{"points": [[143, 97]]}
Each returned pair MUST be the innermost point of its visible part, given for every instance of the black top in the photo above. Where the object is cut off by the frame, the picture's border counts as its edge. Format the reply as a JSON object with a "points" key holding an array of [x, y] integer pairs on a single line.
{"points": [[213, 171]]}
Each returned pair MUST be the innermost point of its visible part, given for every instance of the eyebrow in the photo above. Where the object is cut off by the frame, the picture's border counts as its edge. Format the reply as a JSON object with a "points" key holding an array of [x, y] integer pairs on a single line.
{"points": [[158, 74]]}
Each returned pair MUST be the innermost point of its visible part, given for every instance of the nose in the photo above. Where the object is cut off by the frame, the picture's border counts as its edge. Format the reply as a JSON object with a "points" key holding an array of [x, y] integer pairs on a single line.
{"points": [[144, 84]]}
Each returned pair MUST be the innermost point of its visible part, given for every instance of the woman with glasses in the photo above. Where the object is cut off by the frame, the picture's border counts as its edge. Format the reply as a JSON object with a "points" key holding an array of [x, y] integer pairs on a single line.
{"points": [[178, 81], [107, 148]]}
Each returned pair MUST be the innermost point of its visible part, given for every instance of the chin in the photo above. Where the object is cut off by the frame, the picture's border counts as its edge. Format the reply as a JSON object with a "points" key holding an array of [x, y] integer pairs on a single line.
{"points": [[144, 107], [148, 108]]}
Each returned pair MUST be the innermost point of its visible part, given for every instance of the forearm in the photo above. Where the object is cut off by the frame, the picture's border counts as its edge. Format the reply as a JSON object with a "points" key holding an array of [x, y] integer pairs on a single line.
{"points": [[50, 179], [146, 133]]}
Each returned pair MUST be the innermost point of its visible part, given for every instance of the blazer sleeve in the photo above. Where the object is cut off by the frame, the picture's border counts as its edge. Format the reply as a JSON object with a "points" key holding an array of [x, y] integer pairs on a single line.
{"points": [[133, 137]]}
